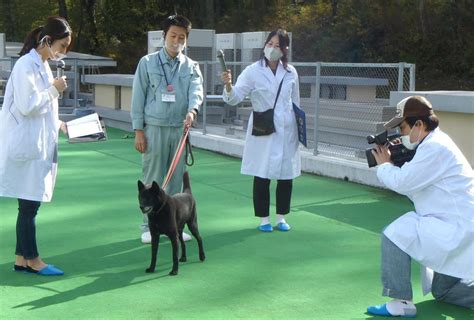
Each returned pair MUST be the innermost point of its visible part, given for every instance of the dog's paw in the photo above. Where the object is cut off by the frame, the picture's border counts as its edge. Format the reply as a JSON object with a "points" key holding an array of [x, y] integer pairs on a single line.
{"points": [[202, 256], [173, 272], [183, 259], [150, 270]]}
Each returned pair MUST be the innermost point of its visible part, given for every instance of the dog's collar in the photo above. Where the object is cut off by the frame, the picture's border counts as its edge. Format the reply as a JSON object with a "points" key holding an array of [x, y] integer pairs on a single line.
{"points": [[162, 206]]}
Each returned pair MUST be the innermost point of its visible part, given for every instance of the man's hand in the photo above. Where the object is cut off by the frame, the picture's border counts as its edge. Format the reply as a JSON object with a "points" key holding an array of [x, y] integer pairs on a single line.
{"points": [[140, 141], [190, 117], [381, 154]]}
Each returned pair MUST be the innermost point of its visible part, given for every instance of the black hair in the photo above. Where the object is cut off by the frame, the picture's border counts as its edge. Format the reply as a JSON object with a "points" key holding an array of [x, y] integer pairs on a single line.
{"points": [[179, 21], [431, 122], [56, 28], [284, 42]]}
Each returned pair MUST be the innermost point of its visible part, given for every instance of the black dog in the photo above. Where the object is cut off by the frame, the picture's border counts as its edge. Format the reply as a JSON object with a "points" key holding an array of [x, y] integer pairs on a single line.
{"points": [[168, 215]]}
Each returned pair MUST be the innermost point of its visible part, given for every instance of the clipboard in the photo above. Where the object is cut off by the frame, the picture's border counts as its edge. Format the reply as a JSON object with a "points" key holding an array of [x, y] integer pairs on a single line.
{"points": [[300, 116], [86, 129]]}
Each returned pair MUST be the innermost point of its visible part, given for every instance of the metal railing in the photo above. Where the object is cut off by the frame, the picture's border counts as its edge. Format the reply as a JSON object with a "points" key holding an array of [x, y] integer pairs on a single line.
{"points": [[75, 70], [344, 103]]}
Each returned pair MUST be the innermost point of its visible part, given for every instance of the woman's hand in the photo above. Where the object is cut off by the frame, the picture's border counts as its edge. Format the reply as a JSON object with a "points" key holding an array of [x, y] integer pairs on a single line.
{"points": [[226, 78], [140, 141], [63, 127], [60, 83]]}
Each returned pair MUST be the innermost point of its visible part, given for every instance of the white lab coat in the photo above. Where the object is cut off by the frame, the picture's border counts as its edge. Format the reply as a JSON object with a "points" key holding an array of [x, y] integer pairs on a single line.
{"points": [[439, 181], [275, 156], [29, 127]]}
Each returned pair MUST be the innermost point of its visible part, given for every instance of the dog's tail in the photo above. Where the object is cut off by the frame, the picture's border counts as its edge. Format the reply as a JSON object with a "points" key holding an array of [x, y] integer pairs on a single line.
{"points": [[186, 183]]}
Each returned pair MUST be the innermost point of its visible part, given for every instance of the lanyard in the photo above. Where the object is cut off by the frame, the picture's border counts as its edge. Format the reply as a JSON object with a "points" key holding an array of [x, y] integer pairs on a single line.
{"points": [[169, 86]]}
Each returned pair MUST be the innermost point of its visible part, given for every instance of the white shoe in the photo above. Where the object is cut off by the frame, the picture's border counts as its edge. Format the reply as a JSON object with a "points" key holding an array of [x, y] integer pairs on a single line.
{"points": [[186, 237], [146, 237]]}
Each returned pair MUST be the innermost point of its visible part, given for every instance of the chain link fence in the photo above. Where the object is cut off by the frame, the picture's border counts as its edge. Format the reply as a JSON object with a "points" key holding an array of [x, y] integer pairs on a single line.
{"points": [[344, 103]]}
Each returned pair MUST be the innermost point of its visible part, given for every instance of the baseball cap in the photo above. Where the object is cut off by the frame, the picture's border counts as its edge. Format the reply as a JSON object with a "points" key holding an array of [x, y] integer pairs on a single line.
{"points": [[413, 106]]}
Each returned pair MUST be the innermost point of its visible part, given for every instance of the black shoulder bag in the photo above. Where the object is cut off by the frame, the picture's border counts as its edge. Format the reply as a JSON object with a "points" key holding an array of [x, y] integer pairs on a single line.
{"points": [[263, 121]]}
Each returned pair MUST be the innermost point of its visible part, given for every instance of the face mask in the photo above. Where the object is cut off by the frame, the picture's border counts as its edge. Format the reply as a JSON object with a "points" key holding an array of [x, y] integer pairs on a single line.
{"points": [[59, 56], [406, 141], [272, 54], [177, 48], [55, 57]]}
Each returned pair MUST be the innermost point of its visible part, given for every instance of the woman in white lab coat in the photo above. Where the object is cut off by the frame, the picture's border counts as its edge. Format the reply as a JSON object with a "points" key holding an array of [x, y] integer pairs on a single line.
{"points": [[273, 156], [29, 126], [439, 233]]}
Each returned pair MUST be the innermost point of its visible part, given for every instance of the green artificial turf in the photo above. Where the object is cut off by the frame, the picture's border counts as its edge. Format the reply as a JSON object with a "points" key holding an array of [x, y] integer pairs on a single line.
{"points": [[326, 267]]}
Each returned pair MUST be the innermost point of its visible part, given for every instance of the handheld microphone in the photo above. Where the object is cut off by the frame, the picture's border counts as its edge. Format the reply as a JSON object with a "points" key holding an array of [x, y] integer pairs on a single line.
{"points": [[60, 72], [220, 57]]}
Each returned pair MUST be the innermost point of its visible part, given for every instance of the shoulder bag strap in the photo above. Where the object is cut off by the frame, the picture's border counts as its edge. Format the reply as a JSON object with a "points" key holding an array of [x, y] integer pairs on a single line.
{"points": [[279, 89]]}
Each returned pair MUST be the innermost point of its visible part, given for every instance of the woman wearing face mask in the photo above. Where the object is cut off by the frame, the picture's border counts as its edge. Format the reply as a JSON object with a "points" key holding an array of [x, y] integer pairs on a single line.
{"points": [[29, 127], [270, 83]]}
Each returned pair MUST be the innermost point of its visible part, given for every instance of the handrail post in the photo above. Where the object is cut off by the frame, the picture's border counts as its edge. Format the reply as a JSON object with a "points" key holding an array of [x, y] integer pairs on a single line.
{"points": [[316, 109]]}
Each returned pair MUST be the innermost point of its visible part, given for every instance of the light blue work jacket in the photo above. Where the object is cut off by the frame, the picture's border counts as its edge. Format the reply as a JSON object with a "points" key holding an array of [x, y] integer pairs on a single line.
{"points": [[150, 83]]}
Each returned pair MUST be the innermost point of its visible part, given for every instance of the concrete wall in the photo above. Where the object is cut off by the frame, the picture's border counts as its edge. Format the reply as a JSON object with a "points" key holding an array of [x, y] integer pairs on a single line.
{"points": [[104, 96], [125, 98], [460, 127], [455, 110]]}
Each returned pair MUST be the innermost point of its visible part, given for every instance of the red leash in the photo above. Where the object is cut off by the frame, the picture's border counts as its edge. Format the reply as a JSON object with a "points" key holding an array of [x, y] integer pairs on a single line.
{"points": [[177, 156]]}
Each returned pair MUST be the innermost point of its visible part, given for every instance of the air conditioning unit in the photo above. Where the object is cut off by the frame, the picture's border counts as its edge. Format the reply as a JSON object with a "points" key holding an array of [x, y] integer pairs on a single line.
{"points": [[252, 44], [230, 44]]}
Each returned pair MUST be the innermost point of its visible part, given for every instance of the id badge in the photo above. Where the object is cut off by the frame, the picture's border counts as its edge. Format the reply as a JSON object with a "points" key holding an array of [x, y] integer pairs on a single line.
{"points": [[168, 97]]}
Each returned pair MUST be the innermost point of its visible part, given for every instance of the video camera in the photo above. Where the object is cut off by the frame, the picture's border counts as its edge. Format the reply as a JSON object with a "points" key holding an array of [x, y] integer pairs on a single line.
{"points": [[399, 153]]}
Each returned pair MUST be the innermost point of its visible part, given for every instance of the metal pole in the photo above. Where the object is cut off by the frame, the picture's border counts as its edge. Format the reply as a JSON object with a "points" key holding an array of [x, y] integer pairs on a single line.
{"points": [[401, 68], [412, 77], [316, 107], [204, 103], [76, 83]]}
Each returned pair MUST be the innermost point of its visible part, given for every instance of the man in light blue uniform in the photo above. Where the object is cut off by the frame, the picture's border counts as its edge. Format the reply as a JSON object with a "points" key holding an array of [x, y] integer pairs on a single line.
{"points": [[167, 92]]}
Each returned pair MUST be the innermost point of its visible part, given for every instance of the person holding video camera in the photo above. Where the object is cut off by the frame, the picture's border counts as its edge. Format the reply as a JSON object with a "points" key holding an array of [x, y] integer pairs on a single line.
{"points": [[439, 234]]}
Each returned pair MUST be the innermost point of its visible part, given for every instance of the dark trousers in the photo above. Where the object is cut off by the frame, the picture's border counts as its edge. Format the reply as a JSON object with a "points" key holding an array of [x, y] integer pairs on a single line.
{"points": [[26, 229], [261, 196]]}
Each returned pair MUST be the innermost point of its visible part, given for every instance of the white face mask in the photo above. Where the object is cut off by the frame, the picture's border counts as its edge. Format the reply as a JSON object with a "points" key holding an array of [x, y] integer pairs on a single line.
{"points": [[407, 143], [55, 57], [58, 56], [177, 48], [272, 54]]}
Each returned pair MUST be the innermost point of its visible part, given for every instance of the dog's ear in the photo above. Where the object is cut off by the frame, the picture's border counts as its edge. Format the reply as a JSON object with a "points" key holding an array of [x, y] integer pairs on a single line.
{"points": [[155, 186], [141, 186]]}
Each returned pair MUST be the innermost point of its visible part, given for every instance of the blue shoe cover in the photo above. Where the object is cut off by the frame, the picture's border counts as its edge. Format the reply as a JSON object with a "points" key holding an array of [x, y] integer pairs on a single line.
{"points": [[49, 270], [380, 310], [283, 226], [265, 228]]}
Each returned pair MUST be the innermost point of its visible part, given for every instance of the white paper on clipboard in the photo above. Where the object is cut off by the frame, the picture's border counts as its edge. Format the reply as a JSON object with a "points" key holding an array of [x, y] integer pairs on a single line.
{"points": [[84, 126]]}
